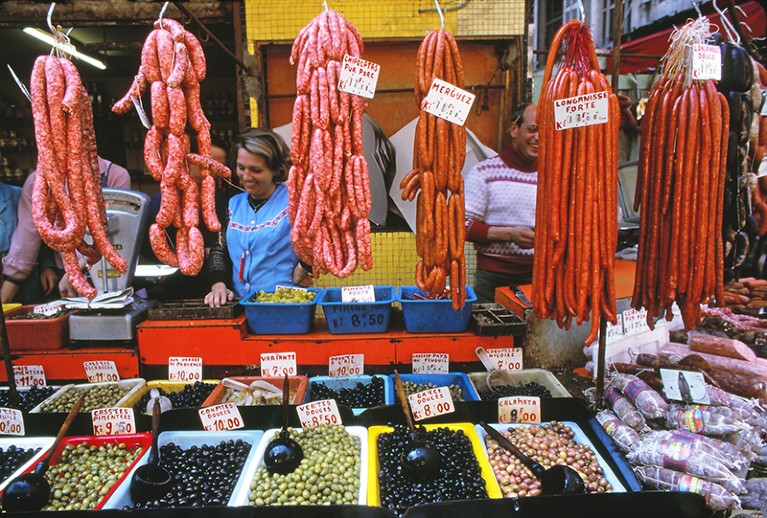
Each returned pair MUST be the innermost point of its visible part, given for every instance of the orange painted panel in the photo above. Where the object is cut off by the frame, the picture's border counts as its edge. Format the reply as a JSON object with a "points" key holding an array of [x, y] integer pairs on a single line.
{"points": [[67, 364]]}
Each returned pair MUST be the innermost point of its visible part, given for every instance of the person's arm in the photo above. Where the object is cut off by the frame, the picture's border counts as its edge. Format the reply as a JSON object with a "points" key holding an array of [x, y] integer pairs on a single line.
{"points": [[302, 275], [118, 177], [25, 246]]}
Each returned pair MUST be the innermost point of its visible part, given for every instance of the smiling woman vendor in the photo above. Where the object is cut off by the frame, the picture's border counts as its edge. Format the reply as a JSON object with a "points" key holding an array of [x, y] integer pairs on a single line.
{"points": [[256, 248]]}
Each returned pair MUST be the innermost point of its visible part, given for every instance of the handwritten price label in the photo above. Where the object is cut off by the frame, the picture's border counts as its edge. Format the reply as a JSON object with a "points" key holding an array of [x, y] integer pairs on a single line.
{"points": [[113, 421], [431, 403], [101, 371], [706, 62], [50, 309], [220, 418], [319, 413], [615, 332], [29, 375], [583, 110], [634, 321], [278, 364], [183, 368], [346, 365], [448, 102], [519, 409], [11, 422], [358, 77], [507, 359], [430, 363], [358, 293]]}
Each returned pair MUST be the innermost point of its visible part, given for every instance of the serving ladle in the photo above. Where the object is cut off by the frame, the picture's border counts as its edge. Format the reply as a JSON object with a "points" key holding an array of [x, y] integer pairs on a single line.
{"points": [[151, 481], [283, 454], [32, 491], [419, 459], [557, 480]]}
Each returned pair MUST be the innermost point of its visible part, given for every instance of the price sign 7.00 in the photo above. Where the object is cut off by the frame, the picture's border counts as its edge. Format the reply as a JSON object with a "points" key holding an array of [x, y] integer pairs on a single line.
{"points": [[278, 364]]}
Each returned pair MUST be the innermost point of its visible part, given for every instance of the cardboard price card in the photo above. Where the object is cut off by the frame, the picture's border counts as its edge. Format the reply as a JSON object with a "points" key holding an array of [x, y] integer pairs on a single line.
{"points": [[49, 309], [319, 413], [448, 102], [278, 364], [101, 371], [183, 368], [364, 293], [507, 359], [221, 418], [346, 365], [706, 62], [11, 422], [583, 110], [614, 331], [113, 421], [29, 376], [358, 77], [430, 363], [519, 409], [431, 403], [635, 321]]}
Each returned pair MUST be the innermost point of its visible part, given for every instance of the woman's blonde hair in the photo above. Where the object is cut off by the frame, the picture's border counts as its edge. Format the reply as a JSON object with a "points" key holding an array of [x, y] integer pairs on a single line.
{"points": [[268, 144]]}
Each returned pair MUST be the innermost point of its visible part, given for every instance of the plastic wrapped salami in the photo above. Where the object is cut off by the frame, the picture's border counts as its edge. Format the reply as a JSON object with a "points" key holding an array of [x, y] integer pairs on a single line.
{"points": [[717, 497], [627, 412], [650, 403], [704, 420], [725, 452], [625, 437]]}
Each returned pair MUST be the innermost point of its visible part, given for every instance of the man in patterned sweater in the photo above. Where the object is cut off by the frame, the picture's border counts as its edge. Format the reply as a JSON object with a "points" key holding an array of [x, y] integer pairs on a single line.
{"points": [[500, 208]]}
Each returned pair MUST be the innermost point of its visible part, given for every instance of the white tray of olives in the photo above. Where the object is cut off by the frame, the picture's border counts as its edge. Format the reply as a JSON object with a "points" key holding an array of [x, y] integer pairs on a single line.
{"points": [[129, 386], [44, 443]]}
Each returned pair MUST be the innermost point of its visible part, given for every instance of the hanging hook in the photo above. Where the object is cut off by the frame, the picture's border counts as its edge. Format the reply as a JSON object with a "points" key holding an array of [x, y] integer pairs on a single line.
{"points": [[325, 4], [162, 13], [726, 25], [21, 85], [582, 9], [441, 14], [697, 8], [48, 18]]}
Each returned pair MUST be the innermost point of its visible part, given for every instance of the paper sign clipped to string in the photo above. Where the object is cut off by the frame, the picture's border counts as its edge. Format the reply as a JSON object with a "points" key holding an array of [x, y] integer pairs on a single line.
{"points": [[185, 368], [448, 102], [358, 76], [11, 422], [278, 364], [519, 409], [319, 413], [346, 365], [29, 376], [113, 421], [220, 418], [583, 110], [101, 371], [430, 363], [431, 403]]}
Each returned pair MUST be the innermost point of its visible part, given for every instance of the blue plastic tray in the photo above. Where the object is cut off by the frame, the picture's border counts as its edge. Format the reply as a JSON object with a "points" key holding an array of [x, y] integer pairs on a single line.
{"points": [[275, 318], [440, 380], [434, 316], [349, 382], [357, 317]]}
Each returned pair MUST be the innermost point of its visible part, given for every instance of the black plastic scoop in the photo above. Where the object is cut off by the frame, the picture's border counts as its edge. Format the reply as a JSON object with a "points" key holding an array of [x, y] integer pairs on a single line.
{"points": [[283, 454], [557, 480], [151, 481], [31, 491], [419, 459]]}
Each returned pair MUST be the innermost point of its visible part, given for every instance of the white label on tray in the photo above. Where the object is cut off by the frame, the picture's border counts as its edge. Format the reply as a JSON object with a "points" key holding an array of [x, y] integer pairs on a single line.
{"points": [[635, 321], [101, 371], [319, 413], [29, 375], [583, 110], [448, 102], [706, 62], [430, 363], [519, 409], [431, 403], [11, 422], [280, 287], [278, 364], [221, 418], [49, 309], [686, 386], [113, 421], [364, 293], [346, 365], [185, 368], [614, 331], [358, 76], [507, 358]]}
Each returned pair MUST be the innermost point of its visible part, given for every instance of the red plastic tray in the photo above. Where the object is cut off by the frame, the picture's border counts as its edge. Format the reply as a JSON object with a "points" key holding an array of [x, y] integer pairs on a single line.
{"points": [[35, 334]]}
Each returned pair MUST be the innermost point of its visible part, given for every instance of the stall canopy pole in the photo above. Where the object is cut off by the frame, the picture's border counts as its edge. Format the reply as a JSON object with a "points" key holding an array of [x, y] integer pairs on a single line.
{"points": [[5, 345], [601, 352], [617, 37]]}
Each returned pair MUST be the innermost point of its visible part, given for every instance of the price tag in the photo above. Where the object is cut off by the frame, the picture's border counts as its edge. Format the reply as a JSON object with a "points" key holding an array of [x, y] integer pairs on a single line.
{"points": [[185, 368], [519, 409], [358, 293], [706, 62], [29, 375], [220, 418], [101, 371], [431, 403], [430, 363], [635, 321], [278, 364], [319, 413], [614, 331], [358, 77], [113, 421], [507, 359], [583, 110], [11, 422], [280, 287], [50, 309], [346, 365], [686, 386], [448, 102]]}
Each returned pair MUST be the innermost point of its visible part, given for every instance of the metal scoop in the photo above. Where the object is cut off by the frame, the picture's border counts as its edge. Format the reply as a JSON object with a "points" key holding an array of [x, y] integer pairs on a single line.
{"points": [[151, 481], [283, 454], [495, 377], [557, 480], [419, 459]]}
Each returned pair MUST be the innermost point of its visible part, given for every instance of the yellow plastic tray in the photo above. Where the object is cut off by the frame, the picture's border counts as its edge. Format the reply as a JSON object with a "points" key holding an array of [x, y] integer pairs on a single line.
{"points": [[374, 495], [10, 306], [167, 386]]}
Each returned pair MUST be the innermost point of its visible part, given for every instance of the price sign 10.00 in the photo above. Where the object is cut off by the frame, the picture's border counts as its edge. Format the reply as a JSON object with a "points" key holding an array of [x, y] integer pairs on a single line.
{"points": [[11, 422], [221, 417]]}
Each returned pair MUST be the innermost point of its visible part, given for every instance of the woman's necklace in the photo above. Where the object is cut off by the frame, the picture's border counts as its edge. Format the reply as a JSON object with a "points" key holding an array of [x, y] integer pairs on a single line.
{"points": [[256, 204]]}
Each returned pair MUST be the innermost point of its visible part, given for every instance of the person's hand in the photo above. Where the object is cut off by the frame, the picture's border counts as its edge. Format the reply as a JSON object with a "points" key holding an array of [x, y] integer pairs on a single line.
{"points": [[49, 278], [66, 289], [301, 277], [523, 237], [219, 295]]}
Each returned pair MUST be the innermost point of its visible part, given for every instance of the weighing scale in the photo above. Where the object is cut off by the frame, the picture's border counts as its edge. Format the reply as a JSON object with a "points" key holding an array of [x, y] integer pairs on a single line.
{"points": [[127, 217]]}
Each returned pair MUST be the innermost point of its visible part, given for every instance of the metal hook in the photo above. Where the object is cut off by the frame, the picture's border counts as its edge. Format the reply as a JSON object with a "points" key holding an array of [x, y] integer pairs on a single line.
{"points": [[325, 4], [48, 18], [697, 8], [582, 9], [728, 27], [441, 15], [21, 85], [162, 13]]}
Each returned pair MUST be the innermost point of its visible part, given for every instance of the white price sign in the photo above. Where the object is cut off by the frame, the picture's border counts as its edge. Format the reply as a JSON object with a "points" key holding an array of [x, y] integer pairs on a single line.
{"points": [[706, 62], [113, 421], [635, 321], [358, 293], [431, 403], [48, 309], [519, 409], [278, 364], [29, 375], [319, 413], [280, 287], [448, 102], [101, 371], [220, 418], [346, 365], [11, 422], [614, 331], [583, 110], [185, 368], [358, 77], [507, 359], [430, 363]]}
